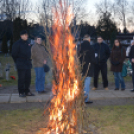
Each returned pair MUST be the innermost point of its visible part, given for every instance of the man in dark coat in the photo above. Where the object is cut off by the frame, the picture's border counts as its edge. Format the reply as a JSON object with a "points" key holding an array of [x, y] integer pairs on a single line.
{"points": [[102, 53], [87, 59], [131, 56], [21, 53]]}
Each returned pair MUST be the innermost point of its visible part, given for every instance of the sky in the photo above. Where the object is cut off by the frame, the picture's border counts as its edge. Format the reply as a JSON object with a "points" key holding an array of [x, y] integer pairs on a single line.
{"points": [[89, 5]]}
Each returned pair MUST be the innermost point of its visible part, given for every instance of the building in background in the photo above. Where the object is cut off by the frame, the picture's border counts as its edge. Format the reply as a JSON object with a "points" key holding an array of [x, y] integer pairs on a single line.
{"points": [[125, 38], [3, 17]]}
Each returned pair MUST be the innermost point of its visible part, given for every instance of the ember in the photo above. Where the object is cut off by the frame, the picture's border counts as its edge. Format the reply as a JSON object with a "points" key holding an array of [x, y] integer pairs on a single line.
{"points": [[66, 84]]}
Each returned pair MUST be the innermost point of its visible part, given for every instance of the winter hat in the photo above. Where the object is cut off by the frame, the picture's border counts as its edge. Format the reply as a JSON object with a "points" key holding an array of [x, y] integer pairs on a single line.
{"points": [[23, 32]]}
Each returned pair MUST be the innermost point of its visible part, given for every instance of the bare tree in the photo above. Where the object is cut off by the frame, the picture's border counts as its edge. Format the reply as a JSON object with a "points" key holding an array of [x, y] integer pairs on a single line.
{"points": [[130, 19], [15, 8], [25, 7], [121, 8], [103, 6], [1, 1], [9, 8], [78, 7]]}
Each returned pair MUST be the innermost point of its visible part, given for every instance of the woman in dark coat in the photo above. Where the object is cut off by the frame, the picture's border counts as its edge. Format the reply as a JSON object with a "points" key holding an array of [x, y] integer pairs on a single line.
{"points": [[87, 58], [117, 57]]}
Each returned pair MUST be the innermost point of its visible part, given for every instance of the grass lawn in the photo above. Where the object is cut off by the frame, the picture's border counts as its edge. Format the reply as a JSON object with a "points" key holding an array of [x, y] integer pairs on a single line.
{"points": [[107, 120]]}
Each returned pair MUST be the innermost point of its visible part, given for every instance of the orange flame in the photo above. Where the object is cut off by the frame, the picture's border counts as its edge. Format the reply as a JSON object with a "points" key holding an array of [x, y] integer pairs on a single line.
{"points": [[65, 89]]}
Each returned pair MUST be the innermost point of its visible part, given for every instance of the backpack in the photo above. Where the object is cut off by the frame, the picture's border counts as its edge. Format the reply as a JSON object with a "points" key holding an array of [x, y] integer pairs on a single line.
{"points": [[124, 70]]}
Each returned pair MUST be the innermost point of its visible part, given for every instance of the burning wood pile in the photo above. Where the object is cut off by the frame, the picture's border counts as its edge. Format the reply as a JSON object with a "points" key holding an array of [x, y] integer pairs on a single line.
{"points": [[66, 104]]}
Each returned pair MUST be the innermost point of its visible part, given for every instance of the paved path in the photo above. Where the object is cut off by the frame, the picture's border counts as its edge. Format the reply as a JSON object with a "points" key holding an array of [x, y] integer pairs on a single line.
{"points": [[14, 98], [110, 94], [94, 95]]}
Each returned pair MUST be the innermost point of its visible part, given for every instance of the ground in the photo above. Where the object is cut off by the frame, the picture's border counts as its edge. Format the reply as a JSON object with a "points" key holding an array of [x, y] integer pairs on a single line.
{"points": [[101, 120], [111, 113]]}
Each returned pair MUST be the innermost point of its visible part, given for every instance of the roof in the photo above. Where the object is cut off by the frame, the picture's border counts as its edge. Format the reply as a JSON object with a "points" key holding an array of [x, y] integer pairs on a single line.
{"points": [[125, 36]]}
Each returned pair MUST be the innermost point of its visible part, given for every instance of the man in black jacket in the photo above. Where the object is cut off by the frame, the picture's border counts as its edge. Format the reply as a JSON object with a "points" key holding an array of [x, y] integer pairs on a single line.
{"points": [[102, 53], [21, 53], [87, 58], [131, 56]]}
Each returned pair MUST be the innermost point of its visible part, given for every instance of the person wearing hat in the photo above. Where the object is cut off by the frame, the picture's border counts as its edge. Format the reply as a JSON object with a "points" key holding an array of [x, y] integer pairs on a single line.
{"points": [[21, 53], [39, 58]]}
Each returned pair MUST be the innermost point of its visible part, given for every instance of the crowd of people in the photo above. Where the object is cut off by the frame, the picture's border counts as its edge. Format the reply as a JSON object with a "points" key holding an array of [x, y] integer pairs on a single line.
{"points": [[93, 59]]}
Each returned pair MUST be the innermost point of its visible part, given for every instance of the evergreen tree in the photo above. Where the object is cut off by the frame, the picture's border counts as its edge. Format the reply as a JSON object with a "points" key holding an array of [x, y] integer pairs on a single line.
{"points": [[18, 26], [125, 31], [113, 37], [106, 28], [4, 45], [11, 44]]}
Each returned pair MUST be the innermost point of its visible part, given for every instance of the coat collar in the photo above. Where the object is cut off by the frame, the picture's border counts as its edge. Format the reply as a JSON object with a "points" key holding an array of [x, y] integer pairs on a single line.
{"points": [[39, 44], [23, 40]]}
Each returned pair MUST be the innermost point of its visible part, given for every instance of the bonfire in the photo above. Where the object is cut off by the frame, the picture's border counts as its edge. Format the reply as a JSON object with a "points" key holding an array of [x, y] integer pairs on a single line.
{"points": [[67, 89]]}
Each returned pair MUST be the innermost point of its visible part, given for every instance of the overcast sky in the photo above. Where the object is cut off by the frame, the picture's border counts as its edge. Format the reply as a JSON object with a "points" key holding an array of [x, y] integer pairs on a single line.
{"points": [[89, 5]]}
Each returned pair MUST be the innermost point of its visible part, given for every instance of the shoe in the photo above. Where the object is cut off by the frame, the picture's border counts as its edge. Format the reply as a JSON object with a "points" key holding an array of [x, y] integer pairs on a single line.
{"points": [[106, 88], [94, 88], [132, 90], [116, 89], [30, 94], [85, 97], [22, 95], [42, 92], [89, 102], [123, 89]]}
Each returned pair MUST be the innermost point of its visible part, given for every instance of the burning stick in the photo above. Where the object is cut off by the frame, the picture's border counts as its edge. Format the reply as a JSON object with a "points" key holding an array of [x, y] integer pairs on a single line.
{"points": [[67, 83]]}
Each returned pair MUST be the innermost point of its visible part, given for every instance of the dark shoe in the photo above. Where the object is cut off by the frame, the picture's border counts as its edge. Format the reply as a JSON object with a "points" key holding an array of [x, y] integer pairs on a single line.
{"points": [[132, 90], [42, 92], [22, 95], [30, 94], [116, 89], [89, 102], [123, 89]]}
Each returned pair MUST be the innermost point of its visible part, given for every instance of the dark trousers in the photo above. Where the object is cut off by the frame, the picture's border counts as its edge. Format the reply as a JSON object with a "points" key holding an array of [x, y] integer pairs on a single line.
{"points": [[103, 69], [133, 78], [24, 80]]}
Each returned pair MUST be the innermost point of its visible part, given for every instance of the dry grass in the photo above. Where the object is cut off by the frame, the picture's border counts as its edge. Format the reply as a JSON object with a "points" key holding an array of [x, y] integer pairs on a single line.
{"points": [[107, 120], [21, 121], [112, 119]]}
